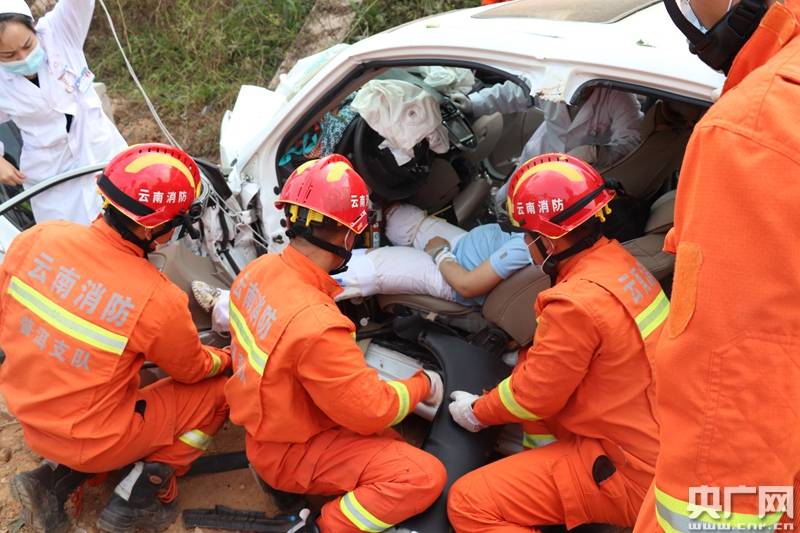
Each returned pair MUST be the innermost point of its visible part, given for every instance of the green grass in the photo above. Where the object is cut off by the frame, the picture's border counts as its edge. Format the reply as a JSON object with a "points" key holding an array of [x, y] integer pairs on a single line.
{"points": [[375, 16], [192, 56]]}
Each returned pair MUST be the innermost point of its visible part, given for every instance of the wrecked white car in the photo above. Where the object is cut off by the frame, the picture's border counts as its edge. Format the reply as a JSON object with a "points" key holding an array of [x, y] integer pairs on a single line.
{"points": [[555, 51]]}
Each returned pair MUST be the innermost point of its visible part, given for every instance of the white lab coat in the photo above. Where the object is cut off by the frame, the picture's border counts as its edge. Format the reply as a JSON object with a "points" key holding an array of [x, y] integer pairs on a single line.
{"points": [[604, 129], [39, 113]]}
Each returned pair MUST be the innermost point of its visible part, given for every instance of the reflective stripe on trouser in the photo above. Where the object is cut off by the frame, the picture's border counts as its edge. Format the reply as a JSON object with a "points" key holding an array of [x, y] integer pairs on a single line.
{"points": [[178, 420], [196, 439], [511, 403], [678, 516], [65, 321], [359, 516], [537, 441], [403, 401], [242, 334], [388, 477], [654, 315]]}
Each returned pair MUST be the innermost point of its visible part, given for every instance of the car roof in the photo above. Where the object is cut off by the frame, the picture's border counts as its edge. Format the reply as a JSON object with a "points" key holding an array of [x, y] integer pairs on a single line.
{"points": [[606, 11], [642, 50], [643, 47]]}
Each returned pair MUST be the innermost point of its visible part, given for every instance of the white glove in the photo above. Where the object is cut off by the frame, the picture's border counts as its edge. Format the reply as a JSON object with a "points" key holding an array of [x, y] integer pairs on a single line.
{"points": [[461, 410], [436, 395], [586, 153], [462, 102]]}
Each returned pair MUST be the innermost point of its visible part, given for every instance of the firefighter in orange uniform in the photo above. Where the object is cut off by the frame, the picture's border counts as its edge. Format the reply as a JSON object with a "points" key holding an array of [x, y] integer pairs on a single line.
{"points": [[728, 363], [317, 418], [586, 383], [81, 309]]}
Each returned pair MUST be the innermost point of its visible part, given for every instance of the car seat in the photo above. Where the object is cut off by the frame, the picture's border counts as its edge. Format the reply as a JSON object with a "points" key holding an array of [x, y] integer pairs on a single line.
{"points": [[666, 128], [510, 305]]}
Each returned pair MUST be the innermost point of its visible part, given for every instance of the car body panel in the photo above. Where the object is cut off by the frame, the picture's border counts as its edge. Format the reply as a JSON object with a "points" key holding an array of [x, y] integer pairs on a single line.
{"points": [[643, 50]]}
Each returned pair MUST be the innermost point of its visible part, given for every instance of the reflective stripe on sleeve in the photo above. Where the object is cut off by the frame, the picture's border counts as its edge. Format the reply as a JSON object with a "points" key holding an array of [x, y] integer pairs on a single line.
{"points": [[536, 441], [511, 403], [216, 363], [196, 439], [655, 315], [65, 321], [677, 516], [360, 517], [402, 401], [255, 355]]}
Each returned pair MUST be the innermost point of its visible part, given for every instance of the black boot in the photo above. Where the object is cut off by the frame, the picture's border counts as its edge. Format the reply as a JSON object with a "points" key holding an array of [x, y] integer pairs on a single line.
{"points": [[43, 493], [134, 504], [286, 502]]}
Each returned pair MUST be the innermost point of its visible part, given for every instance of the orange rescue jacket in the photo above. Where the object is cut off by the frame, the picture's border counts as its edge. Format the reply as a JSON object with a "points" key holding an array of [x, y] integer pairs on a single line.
{"points": [[729, 359], [590, 369], [297, 368], [80, 311]]}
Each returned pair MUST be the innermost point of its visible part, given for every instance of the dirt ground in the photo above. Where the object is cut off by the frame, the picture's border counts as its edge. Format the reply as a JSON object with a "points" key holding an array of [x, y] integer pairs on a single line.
{"points": [[235, 489]]}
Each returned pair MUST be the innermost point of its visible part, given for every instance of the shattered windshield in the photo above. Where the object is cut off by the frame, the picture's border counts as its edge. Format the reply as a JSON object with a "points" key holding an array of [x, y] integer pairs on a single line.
{"points": [[568, 10]]}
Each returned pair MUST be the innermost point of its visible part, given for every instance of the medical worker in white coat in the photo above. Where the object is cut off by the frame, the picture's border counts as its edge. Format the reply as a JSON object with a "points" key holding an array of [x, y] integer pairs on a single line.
{"points": [[46, 90], [602, 130]]}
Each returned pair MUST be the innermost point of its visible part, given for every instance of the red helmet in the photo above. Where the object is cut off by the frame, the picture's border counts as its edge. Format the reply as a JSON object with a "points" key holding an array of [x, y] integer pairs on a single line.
{"points": [[151, 183], [553, 194], [327, 187]]}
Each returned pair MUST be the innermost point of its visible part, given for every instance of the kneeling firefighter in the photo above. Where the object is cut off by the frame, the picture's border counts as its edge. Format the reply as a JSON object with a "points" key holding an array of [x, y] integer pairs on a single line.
{"points": [[318, 419], [81, 309], [584, 391]]}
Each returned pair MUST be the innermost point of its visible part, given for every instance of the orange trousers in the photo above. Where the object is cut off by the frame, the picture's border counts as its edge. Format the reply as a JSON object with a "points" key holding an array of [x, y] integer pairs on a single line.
{"points": [[545, 486], [173, 424], [381, 479]]}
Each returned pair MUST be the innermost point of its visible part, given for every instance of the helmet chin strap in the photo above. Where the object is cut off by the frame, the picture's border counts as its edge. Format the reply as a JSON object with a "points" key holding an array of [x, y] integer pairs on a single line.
{"points": [[719, 46], [551, 261], [307, 233], [116, 220]]}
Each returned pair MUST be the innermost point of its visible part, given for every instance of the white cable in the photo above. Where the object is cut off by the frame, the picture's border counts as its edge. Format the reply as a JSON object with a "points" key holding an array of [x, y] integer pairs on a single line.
{"points": [[236, 217], [135, 78]]}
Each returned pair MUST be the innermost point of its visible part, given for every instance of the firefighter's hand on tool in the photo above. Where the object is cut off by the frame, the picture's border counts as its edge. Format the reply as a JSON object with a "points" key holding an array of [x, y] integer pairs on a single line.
{"points": [[462, 102], [436, 395], [9, 175], [461, 410]]}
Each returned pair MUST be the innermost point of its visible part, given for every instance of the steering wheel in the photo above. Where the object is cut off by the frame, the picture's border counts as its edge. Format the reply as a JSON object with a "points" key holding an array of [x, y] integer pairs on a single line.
{"points": [[379, 168], [459, 129]]}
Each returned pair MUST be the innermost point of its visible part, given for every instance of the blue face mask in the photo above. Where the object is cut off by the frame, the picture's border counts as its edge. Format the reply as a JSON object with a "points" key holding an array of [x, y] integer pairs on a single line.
{"points": [[28, 66]]}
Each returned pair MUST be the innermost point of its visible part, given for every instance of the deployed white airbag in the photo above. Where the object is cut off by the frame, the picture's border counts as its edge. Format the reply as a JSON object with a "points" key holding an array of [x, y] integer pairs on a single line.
{"points": [[448, 80], [403, 114]]}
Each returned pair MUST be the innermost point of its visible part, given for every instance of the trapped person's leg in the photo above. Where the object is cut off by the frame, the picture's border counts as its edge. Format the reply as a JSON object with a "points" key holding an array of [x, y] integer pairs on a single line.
{"points": [[408, 225], [393, 270]]}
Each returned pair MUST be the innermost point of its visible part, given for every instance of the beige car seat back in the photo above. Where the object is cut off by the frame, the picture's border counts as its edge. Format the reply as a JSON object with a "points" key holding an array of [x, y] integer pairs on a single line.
{"points": [[665, 132]]}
